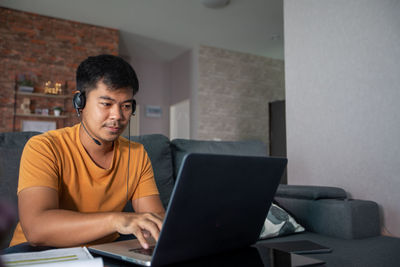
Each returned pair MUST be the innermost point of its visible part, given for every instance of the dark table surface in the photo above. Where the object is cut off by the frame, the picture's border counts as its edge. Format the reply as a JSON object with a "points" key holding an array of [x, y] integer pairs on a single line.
{"points": [[257, 255]]}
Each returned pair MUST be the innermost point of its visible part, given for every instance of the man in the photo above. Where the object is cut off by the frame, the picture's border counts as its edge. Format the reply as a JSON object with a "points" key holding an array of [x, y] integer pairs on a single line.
{"points": [[74, 182]]}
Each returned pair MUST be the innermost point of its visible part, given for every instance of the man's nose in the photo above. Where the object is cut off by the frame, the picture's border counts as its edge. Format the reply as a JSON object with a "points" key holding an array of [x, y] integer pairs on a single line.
{"points": [[116, 113]]}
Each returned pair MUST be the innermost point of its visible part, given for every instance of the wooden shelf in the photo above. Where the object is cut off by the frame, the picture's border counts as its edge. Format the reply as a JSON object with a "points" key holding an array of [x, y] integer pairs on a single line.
{"points": [[43, 101], [41, 116], [42, 95]]}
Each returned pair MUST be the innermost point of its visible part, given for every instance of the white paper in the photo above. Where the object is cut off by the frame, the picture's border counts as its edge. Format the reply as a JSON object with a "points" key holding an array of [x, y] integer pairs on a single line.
{"points": [[78, 256]]}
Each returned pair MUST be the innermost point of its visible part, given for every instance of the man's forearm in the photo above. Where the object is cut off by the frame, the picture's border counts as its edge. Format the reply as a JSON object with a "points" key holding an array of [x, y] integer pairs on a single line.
{"points": [[64, 228], [45, 224]]}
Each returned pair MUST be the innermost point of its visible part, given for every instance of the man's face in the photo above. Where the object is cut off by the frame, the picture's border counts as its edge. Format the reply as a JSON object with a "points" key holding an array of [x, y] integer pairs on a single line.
{"points": [[106, 112]]}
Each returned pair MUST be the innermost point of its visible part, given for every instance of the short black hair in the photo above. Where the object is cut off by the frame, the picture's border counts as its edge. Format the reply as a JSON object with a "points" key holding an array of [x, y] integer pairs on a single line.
{"points": [[112, 70]]}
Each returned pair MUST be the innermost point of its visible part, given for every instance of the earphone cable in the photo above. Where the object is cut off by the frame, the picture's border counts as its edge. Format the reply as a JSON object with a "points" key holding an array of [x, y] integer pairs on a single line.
{"points": [[129, 158]]}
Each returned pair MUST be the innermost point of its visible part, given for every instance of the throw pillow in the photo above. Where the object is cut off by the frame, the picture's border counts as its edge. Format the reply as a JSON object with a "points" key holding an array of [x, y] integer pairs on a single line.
{"points": [[279, 223]]}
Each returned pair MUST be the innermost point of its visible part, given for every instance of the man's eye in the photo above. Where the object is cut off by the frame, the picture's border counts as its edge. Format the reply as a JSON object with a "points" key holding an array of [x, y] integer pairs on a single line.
{"points": [[127, 106], [105, 104]]}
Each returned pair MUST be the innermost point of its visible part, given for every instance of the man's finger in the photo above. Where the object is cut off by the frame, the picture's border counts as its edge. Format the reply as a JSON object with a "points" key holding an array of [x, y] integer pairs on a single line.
{"points": [[146, 234], [156, 219], [151, 225], [140, 238]]}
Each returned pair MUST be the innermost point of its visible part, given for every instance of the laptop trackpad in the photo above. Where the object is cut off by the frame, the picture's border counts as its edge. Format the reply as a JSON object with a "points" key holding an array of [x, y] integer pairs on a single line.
{"points": [[144, 251], [128, 250]]}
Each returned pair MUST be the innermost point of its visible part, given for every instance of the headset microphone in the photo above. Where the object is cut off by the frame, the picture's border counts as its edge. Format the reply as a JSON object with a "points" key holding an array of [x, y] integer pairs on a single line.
{"points": [[94, 139]]}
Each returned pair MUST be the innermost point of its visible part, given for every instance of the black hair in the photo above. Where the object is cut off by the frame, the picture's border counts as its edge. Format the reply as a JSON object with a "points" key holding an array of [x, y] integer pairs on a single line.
{"points": [[113, 71]]}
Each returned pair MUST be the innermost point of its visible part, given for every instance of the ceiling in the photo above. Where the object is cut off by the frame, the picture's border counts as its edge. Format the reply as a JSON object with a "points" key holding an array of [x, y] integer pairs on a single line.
{"points": [[163, 29]]}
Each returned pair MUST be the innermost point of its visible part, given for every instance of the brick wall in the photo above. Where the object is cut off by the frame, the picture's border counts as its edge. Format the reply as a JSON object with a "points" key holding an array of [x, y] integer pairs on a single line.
{"points": [[50, 48], [234, 91]]}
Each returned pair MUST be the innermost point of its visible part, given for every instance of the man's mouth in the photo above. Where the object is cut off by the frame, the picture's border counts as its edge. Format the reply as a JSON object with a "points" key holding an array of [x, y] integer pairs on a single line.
{"points": [[113, 128]]}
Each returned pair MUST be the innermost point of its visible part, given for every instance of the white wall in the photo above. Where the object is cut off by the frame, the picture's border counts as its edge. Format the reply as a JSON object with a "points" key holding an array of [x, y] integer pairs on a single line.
{"points": [[342, 65], [154, 90], [181, 77]]}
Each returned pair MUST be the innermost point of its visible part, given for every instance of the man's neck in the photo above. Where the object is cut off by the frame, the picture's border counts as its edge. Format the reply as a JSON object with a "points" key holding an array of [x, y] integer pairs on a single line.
{"points": [[100, 154]]}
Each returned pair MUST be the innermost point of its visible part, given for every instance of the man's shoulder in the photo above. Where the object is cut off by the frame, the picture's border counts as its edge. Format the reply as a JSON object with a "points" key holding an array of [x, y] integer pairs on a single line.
{"points": [[55, 137]]}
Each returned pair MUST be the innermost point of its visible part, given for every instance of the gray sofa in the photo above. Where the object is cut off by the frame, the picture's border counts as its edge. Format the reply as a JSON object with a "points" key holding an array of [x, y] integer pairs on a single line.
{"points": [[350, 227]]}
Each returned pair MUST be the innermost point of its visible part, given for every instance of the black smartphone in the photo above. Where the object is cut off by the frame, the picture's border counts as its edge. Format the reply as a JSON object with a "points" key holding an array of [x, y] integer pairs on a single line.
{"points": [[299, 247]]}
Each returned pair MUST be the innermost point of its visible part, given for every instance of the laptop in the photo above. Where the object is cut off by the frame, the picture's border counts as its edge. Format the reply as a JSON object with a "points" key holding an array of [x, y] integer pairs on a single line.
{"points": [[219, 203]]}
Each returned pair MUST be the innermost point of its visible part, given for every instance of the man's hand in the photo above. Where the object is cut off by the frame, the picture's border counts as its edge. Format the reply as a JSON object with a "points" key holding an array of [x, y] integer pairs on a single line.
{"points": [[142, 225], [150, 212]]}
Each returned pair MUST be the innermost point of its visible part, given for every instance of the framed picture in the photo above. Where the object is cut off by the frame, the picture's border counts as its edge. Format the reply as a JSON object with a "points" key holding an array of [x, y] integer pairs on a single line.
{"points": [[153, 111]]}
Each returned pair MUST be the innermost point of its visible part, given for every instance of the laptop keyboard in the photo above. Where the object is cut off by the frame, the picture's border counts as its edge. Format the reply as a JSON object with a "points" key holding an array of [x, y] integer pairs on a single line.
{"points": [[144, 251]]}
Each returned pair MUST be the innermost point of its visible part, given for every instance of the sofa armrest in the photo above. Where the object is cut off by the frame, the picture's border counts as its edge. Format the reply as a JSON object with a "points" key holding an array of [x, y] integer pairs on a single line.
{"points": [[347, 219], [310, 192]]}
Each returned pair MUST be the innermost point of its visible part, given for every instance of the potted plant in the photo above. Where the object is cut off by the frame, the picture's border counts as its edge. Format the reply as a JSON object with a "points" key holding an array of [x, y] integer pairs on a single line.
{"points": [[57, 111], [26, 82]]}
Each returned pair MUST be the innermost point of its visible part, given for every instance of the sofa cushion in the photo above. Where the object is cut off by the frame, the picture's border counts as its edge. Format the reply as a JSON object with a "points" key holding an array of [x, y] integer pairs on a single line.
{"points": [[181, 147], [279, 223], [159, 151]]}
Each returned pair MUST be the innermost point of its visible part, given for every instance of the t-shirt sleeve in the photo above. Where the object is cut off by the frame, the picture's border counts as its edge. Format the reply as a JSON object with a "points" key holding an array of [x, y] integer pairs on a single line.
{"points": [[146, 185], [38, 165]]}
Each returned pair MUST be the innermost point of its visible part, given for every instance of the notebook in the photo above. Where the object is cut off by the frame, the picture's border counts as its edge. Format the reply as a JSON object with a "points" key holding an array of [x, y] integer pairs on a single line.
{"points": [[219, 203]]}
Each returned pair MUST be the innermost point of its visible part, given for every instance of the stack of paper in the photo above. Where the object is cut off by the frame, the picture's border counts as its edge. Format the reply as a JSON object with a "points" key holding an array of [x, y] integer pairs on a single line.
{"points": [[78, 256]]}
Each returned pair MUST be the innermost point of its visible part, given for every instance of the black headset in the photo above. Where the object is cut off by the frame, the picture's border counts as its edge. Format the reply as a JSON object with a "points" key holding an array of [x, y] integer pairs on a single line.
{"points": [[79, 101]]}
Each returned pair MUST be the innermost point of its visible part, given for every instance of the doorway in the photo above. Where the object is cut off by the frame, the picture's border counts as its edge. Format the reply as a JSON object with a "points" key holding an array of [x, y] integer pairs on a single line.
{"points": [[180, 120], [277, 132]]}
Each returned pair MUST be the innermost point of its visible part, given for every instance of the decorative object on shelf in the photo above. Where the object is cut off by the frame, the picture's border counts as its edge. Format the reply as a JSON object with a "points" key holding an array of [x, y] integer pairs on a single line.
{"points": [[26, 82], [45, 111], [38, 126], [57, 111], [26, 106], [49, 89], [38, 111]]}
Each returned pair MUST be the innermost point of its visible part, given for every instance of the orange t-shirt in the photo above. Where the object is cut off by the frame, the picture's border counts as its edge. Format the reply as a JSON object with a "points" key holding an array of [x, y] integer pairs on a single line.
{"points": [[57, 159]]}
